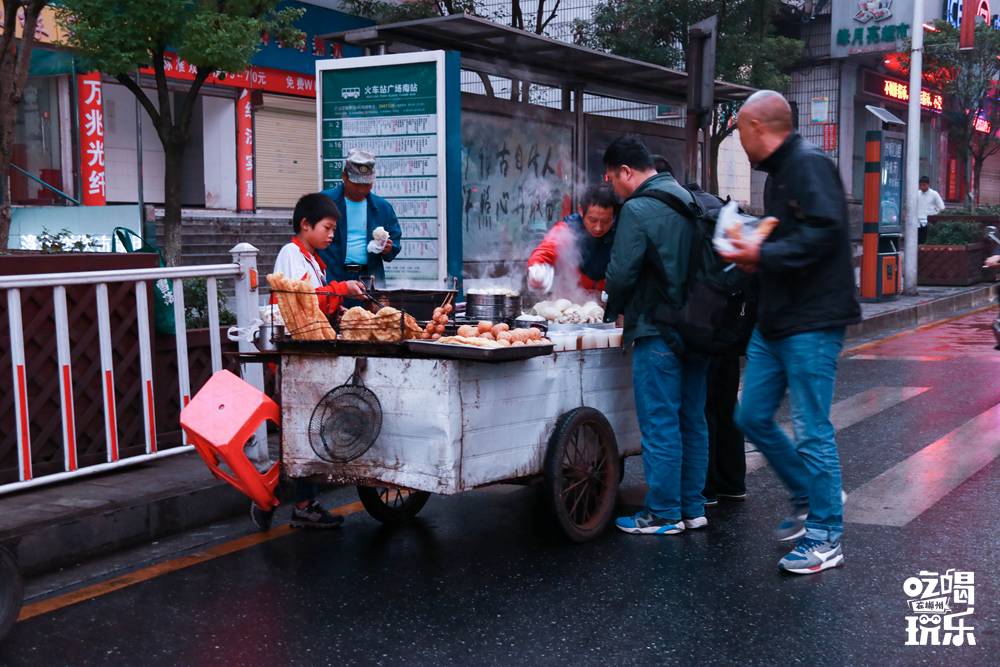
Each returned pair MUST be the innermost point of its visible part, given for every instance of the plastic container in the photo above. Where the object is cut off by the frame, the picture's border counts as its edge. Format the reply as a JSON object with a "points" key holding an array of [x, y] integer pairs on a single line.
{"points": [[615, 338], [594, 339]]}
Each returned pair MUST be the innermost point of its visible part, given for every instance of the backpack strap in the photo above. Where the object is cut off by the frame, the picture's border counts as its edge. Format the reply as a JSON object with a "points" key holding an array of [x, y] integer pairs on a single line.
{"points": [[691, 212]]}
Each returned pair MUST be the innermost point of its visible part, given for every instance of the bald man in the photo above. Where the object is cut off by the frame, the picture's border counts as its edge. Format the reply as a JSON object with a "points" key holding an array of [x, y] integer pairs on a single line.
{"points": [[807, 299]]}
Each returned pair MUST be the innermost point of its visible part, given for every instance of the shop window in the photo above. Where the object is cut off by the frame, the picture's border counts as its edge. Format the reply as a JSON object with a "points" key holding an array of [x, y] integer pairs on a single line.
{"points": [[37, 146]]}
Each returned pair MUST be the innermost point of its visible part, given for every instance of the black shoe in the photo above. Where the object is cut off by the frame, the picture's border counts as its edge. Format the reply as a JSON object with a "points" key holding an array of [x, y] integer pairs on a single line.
{"points": [[261, 518], [738, 497], [314, 516]]}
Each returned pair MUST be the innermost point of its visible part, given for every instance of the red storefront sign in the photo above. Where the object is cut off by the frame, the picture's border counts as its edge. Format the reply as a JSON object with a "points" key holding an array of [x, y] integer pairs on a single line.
{"points": [[244, 151], [899, 91], [255, 78], [91, 122], [829, 137]]}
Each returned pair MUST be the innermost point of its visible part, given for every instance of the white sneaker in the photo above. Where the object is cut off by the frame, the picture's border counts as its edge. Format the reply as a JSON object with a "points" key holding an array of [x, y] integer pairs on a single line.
{"points": [[695, 523]]}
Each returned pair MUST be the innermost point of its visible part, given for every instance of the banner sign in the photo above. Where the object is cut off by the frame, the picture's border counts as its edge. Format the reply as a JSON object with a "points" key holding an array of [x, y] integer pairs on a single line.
{"points": [[393, 107]]}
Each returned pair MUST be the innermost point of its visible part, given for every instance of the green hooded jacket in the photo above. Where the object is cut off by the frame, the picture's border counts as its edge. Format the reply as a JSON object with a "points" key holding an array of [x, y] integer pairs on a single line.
{"points": [[652, 241]]}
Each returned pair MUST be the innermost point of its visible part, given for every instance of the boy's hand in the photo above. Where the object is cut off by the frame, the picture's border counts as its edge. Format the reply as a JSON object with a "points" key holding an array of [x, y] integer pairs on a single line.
{"points": [[992, 262], [388, 247], [746, 254], [354, 287]]}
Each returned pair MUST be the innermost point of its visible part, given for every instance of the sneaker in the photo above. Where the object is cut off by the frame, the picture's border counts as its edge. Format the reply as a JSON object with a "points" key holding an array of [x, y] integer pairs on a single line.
{"points": [[261, 519], [695, 523], [737, 497], [646, 523], [792, 527], [812, 556], [314, 516]]}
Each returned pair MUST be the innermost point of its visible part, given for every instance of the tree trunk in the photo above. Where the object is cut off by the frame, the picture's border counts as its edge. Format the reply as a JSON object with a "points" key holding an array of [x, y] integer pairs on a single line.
{"points": [[171, 244], [6, 140]]}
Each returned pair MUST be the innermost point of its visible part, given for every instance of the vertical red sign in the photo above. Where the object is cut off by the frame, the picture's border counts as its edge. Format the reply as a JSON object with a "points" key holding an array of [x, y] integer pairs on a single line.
{"points": [[91, 122], [244, 151], [830, 137]]}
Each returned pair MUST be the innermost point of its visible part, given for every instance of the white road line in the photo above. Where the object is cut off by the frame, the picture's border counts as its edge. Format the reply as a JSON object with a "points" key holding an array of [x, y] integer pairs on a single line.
{"points": [[909, 488], [851, 411]]}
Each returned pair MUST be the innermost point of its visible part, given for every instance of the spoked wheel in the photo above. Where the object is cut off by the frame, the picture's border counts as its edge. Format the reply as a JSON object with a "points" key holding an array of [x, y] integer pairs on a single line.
{"points": [[582, 469], [391, 505], [11, 592]]}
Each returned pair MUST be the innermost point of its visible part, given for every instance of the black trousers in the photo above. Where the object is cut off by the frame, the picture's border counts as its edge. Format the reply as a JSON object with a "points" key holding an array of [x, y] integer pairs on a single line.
{"points": [[922, 235], [727, 465]]}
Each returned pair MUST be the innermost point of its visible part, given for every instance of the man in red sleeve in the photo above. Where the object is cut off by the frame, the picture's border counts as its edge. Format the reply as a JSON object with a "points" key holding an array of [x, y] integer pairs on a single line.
{"points": [[579, 243]]}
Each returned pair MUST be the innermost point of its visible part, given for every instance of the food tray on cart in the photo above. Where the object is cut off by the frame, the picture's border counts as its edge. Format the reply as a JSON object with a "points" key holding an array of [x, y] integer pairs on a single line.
{"points": [[472, 353]]}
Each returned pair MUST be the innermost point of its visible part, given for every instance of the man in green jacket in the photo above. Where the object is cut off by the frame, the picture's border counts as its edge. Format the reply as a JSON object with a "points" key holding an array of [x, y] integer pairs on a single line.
{"points": [[649, 263]]}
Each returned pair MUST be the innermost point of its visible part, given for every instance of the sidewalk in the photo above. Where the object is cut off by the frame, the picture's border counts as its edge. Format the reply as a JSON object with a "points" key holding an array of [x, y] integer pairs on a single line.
{"points": [[64, 524]]}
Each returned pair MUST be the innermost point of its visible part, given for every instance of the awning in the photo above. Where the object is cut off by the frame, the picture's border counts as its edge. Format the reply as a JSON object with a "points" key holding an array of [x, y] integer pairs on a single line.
{"points": [[501, 50]]}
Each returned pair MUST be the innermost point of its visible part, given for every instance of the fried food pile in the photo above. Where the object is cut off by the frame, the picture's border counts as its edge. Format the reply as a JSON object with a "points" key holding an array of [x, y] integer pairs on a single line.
{"points": [[300, 309], [388, 325], [490, 336]]}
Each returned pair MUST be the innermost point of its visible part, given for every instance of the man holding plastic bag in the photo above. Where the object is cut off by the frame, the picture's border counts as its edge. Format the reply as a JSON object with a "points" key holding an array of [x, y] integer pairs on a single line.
{"points": [[369, 233], [807, 299]]}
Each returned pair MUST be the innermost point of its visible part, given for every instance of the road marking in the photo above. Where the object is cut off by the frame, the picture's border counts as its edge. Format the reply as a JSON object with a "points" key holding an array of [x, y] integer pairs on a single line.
{"points": [[49, 605], [909, 488], [851, 411]]}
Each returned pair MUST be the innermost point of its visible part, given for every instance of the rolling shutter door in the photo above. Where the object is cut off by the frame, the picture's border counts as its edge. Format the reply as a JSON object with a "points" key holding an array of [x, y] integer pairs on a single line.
{"points": [[285, 133]]}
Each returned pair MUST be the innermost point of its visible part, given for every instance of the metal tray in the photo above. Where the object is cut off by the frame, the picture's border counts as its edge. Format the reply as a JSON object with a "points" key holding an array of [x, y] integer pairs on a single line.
{"points": [[449, 351]]}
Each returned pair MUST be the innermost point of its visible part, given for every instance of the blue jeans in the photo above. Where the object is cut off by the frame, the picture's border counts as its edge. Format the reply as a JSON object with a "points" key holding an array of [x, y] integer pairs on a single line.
{"points": [[670, 404], [805, 364]]}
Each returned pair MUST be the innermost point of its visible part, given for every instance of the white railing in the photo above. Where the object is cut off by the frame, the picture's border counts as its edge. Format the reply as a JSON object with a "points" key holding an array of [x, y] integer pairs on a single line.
{"points": [[243, 270]]}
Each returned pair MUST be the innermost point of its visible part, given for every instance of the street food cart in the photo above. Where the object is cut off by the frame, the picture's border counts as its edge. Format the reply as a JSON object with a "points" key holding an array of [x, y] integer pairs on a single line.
{"points": [[406, 416], [451, 425]]}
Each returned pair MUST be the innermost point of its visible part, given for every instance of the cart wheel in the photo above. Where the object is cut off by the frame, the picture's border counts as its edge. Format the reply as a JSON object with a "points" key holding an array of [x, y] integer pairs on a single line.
{"points": [[582, 467], [11, 592], [390, 505]]}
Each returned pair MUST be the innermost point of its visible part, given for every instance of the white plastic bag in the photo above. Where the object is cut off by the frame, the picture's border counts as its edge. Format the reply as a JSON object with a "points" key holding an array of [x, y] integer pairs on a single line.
{"points": [[732, 224], [379, 238]]}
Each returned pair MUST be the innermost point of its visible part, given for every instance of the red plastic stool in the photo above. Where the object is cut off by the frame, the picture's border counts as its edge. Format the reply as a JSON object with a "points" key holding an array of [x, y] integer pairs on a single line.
{"points": [[219, 420]]}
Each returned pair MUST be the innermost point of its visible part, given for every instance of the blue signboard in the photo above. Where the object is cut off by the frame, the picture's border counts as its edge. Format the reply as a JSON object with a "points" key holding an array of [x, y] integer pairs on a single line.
{"points": [[315, 22]]}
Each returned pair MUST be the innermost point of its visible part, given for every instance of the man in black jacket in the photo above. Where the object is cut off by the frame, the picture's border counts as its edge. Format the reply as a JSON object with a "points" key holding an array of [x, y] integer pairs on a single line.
{"points": [[649, 264], [807, 299]]}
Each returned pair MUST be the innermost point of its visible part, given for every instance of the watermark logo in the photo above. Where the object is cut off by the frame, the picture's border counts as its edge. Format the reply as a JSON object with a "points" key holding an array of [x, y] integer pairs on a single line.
{"points": [[939, 606]]}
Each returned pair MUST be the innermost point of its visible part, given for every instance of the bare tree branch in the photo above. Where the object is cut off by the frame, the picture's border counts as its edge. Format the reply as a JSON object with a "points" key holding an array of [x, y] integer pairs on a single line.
{"points": [[551, 17]]}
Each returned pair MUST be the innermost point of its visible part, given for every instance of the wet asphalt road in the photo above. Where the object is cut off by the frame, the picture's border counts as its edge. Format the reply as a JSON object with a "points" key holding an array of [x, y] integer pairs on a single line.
{"points": [[482, 578]]}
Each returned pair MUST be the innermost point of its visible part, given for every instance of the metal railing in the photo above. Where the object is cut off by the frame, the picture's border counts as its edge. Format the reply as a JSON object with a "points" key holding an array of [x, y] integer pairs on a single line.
{"points": [[243, 270], [47, 186]]}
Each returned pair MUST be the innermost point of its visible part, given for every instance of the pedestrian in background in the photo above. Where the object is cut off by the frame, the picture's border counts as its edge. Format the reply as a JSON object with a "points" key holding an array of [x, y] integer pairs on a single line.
{"points": [[929, 203], [807, 299], [649, 263]]}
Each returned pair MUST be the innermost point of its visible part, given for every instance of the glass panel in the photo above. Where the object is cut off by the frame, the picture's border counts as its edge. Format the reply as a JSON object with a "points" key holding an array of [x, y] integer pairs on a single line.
{"points": [[36, 144]]}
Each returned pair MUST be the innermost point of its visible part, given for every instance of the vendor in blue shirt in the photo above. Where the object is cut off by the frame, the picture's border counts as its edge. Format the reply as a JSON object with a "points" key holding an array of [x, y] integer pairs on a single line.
{"points": [[361, 212]]}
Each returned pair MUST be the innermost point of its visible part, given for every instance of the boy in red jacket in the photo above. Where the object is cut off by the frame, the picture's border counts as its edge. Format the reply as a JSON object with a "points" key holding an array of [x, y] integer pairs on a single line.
{"points": [[314, 222], [585, 238]]}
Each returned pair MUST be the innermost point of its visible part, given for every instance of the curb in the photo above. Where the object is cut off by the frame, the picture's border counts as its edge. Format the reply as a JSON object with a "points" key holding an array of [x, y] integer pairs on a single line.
{"points": [[924, 313], [78, 536]]}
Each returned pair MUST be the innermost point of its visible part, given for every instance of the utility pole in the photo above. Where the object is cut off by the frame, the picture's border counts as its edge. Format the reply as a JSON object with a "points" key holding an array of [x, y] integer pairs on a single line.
{"points": [[702, 38], [912, 175]]}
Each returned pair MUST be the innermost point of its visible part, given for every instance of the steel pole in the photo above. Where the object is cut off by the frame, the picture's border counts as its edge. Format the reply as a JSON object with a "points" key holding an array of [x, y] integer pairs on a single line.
{"points": [[912, 175]]}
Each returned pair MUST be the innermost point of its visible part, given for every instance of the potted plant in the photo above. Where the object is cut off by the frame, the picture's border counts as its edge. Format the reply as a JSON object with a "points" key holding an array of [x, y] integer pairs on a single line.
{"points": [[953, 254]]}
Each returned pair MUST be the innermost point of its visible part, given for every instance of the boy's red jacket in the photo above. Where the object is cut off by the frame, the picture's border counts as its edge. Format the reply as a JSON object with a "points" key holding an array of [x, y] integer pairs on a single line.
{"points": [[308, 266]]}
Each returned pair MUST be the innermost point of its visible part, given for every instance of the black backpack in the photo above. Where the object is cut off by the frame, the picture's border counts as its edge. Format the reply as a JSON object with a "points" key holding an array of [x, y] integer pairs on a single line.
{"points": [[719, 309]]}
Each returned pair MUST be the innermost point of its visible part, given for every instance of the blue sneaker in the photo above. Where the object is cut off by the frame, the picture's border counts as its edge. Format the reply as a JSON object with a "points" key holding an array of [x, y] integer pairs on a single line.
{"points": [[812, 556], [647, 523]]}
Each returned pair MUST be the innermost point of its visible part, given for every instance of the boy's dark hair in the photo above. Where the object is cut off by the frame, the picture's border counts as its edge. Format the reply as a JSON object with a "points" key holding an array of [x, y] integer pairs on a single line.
{"points": [[924, 179], [598, 195], [312, 208], [628, 151], [662, 165]]}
